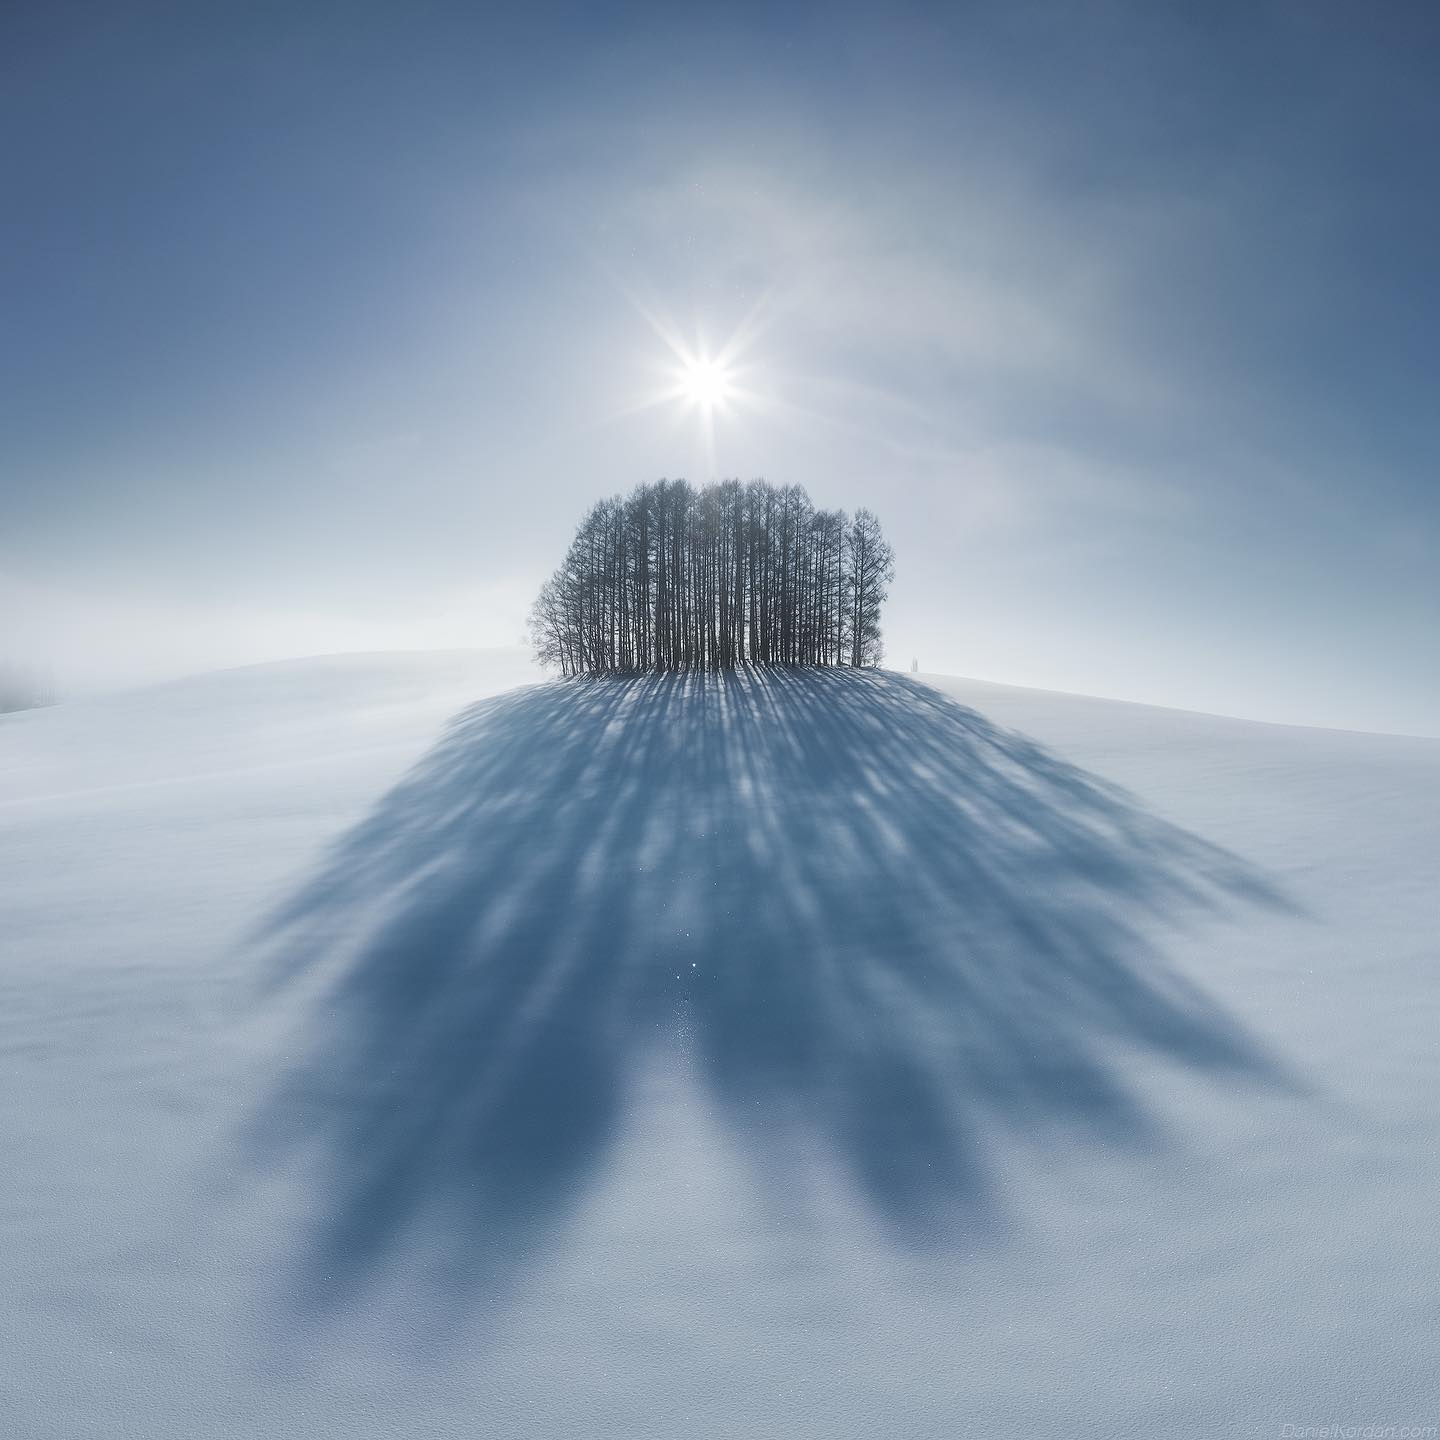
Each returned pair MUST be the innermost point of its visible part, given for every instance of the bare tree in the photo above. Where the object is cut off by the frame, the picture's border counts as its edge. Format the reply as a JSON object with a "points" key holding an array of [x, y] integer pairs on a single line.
{"points": [[872, 568]]}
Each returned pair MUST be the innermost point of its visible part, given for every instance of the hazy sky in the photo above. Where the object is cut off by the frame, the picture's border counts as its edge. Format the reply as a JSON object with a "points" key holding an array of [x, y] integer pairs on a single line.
{"points": [[321, 324]]}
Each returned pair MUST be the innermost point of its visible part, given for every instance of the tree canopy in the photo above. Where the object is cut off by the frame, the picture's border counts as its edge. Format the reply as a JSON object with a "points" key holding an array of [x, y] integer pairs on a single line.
{"points": [[676, 577]]}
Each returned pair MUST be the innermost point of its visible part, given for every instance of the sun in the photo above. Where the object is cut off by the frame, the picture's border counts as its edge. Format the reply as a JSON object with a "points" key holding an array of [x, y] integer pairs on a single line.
{"points": [[715, 387], [705, 383]]}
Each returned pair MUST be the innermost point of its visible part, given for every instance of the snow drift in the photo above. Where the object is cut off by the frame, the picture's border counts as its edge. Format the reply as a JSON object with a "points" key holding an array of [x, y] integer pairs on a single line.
{"points": [[806, 1052]]}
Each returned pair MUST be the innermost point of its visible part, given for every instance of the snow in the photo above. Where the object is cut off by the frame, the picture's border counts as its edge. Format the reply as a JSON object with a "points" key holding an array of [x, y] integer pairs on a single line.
{"points": [[389, 1050]]}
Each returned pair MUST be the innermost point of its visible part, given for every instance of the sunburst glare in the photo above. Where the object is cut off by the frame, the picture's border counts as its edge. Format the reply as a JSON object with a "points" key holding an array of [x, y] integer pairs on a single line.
{"points": [[711, 385], [706, 383]]}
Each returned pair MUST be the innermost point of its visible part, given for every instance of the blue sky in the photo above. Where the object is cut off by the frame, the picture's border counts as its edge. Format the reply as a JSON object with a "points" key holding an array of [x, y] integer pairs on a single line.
{"points": [[320, 325]]}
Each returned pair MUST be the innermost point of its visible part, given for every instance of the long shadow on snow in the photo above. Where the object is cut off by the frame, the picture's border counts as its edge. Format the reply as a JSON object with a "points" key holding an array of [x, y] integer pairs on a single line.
{"points": [[887, 926]]}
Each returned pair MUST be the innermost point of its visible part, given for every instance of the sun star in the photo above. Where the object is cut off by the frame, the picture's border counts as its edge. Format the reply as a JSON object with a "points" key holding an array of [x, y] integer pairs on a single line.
{"points": [[705, 383]]}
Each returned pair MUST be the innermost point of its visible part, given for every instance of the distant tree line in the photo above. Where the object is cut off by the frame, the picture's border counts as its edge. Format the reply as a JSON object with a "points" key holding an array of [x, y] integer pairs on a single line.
{"points": [[21, 690], [673, 577]]}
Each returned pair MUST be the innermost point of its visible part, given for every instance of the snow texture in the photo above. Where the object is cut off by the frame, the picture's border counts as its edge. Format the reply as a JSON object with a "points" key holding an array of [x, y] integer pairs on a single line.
{"points": [[389, 1050]]}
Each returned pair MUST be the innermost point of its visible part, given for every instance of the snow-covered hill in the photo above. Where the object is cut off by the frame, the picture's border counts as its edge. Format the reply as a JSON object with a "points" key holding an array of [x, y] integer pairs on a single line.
{"points": [[388, 1050]]}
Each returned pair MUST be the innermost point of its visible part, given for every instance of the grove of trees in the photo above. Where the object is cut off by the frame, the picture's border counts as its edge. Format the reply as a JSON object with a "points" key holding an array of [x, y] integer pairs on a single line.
{"points": [[673, 577]]}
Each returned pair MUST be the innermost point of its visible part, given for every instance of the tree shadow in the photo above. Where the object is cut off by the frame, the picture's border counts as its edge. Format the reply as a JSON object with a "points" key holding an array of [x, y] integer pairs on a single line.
{"points": [[889, 927]]}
